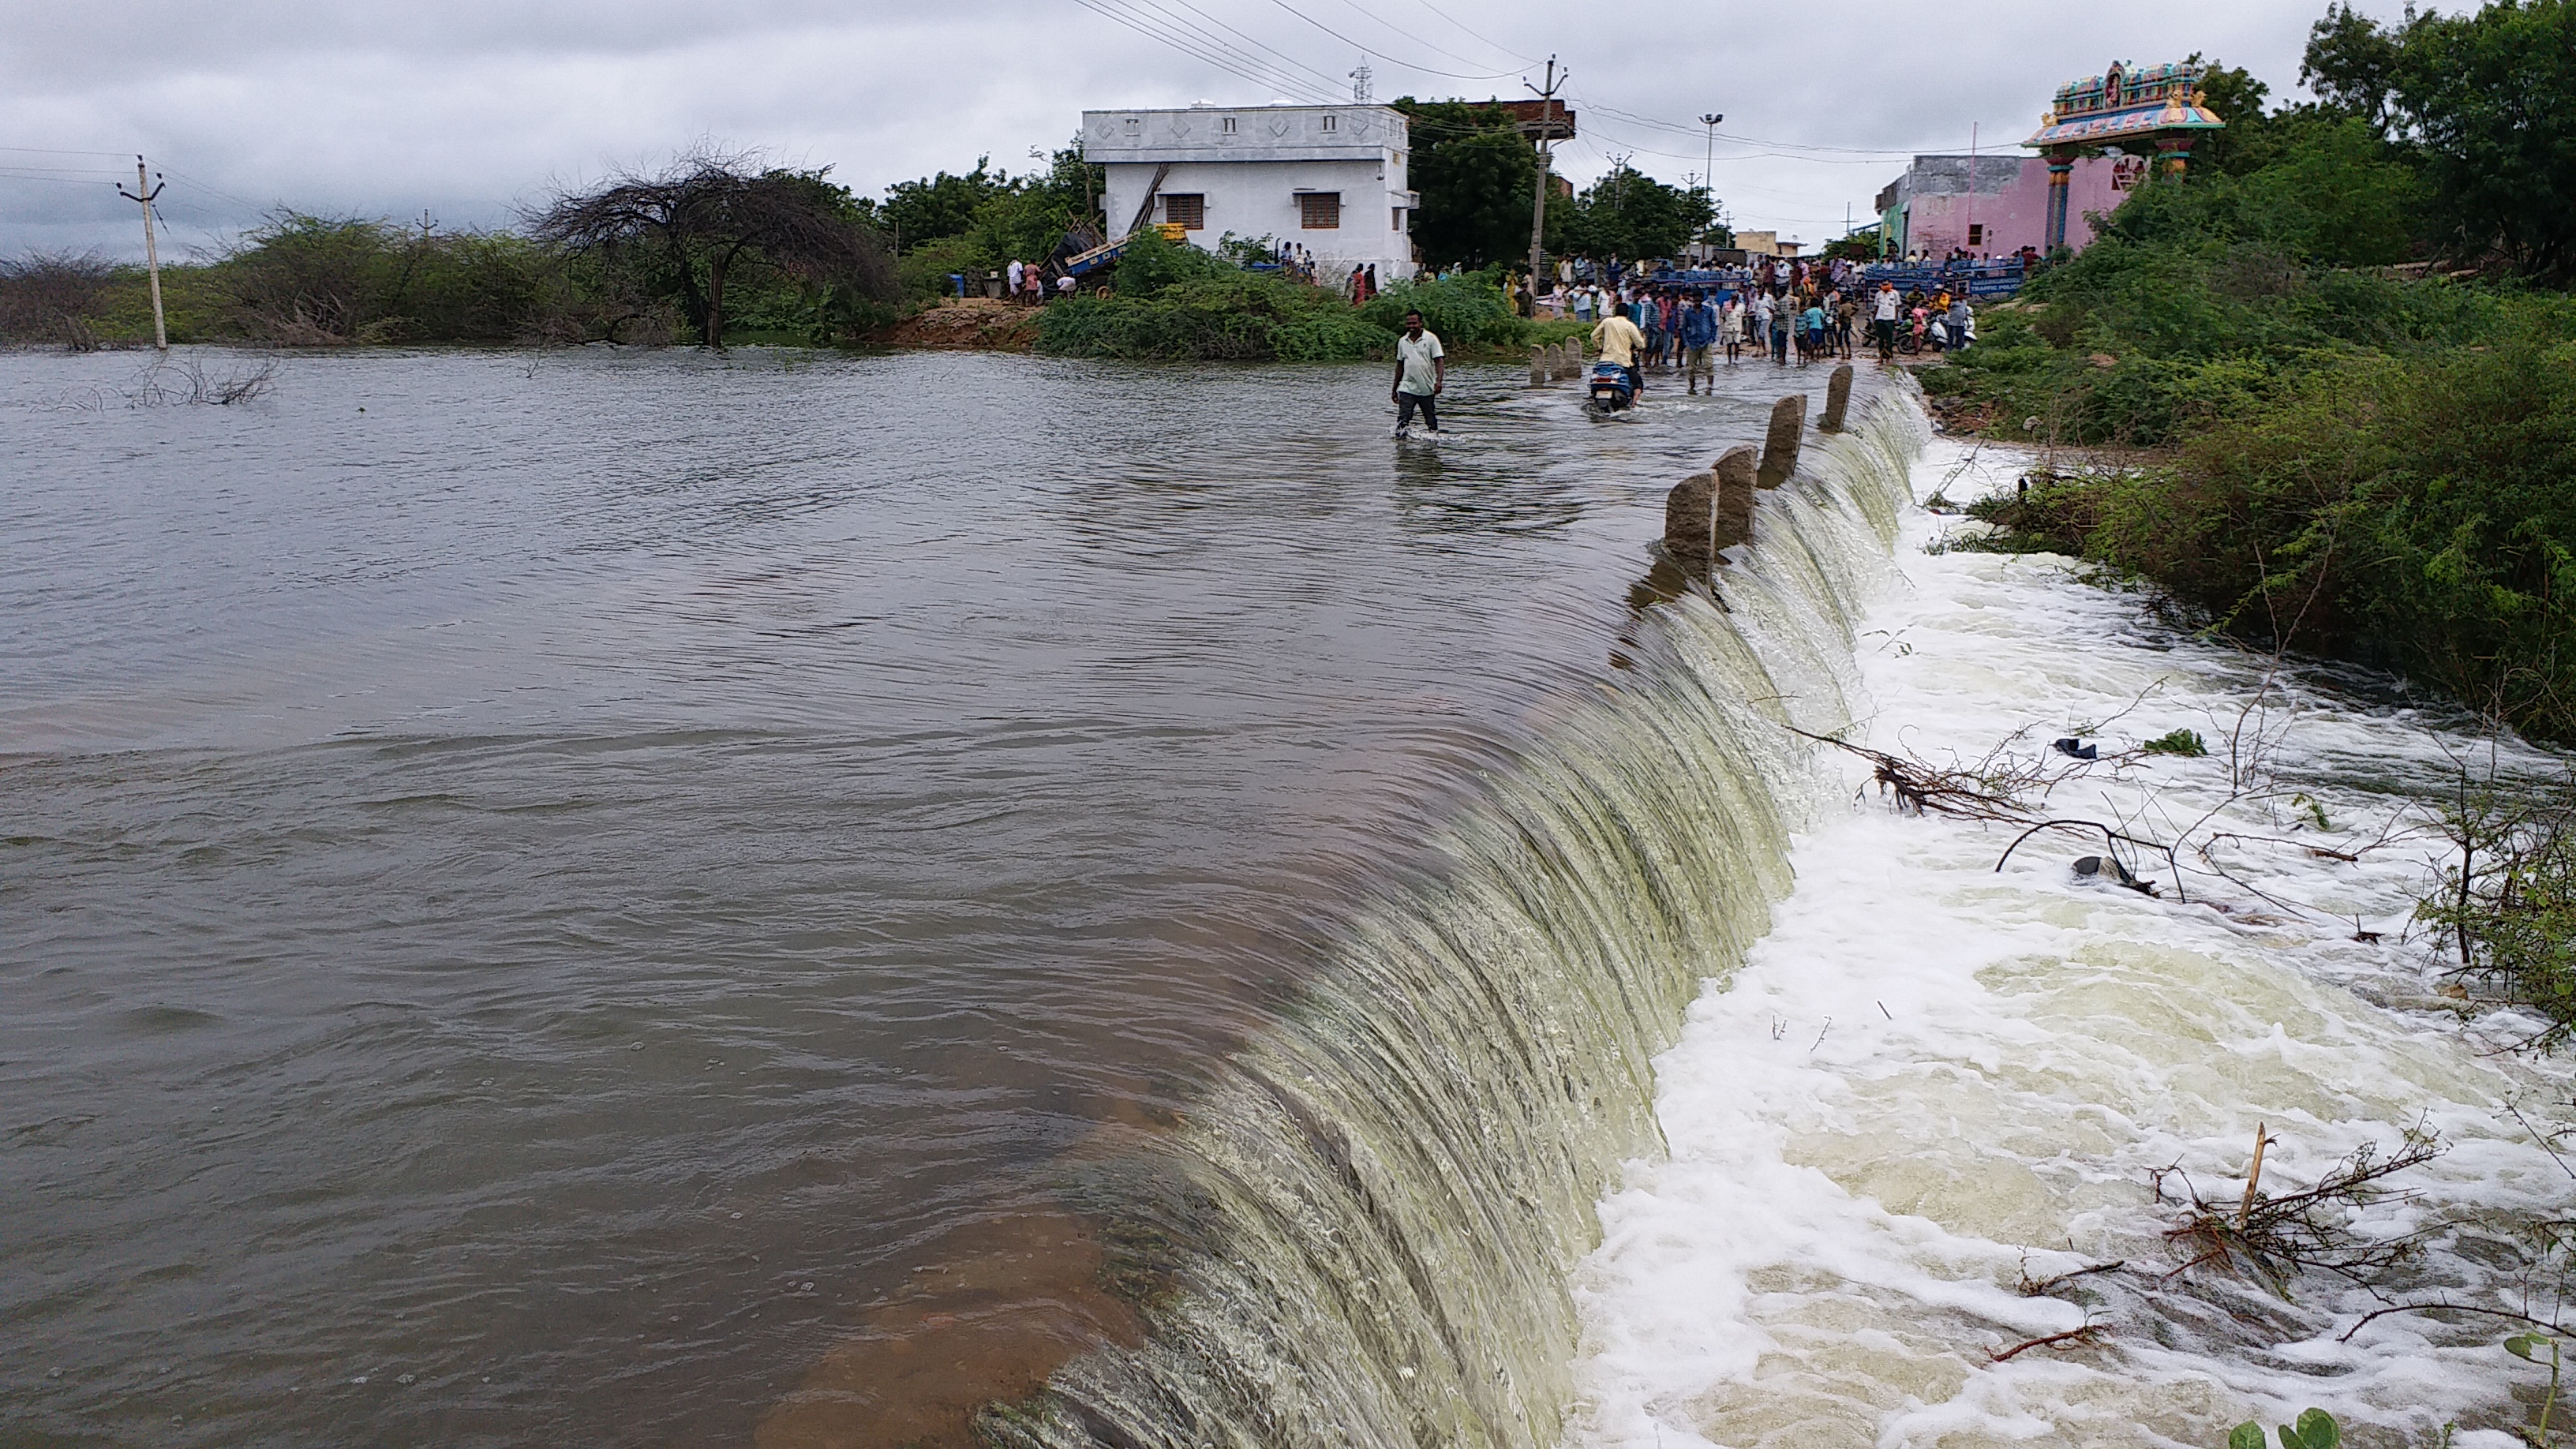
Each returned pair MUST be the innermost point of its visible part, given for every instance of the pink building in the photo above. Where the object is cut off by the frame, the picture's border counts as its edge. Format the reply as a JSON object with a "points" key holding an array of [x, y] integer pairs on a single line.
{"points": [[1934, 208]]}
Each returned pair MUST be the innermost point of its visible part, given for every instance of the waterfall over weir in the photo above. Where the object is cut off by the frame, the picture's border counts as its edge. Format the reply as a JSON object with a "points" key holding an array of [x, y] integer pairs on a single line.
{"points": [[1362, 1235]]}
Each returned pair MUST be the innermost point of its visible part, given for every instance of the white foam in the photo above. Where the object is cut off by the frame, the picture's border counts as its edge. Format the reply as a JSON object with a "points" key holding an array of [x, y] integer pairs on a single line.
{"points": [[1931, 1075]]}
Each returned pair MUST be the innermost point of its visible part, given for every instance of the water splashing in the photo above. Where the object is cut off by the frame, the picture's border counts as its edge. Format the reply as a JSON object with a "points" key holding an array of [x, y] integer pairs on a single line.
{"points": [[1363, 1232]]}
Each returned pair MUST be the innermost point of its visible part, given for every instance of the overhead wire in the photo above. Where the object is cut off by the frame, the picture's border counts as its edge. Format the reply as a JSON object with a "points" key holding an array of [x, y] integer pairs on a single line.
{"points": [[1321, 89], [192, 184], [1418, 40], [1375, 54], [1486, 40], [1330, 83], [1204, 50], [62, 151]]}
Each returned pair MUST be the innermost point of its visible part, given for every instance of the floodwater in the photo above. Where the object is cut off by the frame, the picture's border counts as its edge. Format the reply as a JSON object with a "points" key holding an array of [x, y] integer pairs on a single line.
{"points": [[1954, 1068], [545, 896]]}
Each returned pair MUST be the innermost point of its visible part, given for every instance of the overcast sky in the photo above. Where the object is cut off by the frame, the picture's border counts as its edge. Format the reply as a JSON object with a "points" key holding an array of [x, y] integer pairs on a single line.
{"points": [[467, 109]]}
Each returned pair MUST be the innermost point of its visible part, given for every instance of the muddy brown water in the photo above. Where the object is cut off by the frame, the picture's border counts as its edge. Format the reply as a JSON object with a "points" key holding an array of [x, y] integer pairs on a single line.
{"points": [[582, 897]]}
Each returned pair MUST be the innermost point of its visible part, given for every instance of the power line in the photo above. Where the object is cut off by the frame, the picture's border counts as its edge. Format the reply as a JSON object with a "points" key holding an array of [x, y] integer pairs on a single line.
{"points": [[1497, 47], [1329, 82], [1206, 51], [195, 185], [1382, 55], [60, 151], [1216, 51], [1443, 50]]}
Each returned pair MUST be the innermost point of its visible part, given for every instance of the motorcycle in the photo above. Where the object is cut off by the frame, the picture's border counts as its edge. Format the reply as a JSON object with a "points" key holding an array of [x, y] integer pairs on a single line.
{"points": [[1609, 390]]}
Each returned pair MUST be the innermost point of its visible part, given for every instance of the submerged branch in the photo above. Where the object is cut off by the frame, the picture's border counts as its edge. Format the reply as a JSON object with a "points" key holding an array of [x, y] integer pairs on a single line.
{"points": [[2277, 1236], [2085, 1335]]}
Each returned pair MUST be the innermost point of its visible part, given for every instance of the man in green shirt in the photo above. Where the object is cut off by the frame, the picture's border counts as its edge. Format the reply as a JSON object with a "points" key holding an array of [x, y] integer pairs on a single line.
{"points": [[1419, 374]]}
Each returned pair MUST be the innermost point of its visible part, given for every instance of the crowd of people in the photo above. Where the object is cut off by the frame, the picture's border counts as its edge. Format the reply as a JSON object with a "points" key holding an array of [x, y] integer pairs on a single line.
{"points": [[1792, 312]]}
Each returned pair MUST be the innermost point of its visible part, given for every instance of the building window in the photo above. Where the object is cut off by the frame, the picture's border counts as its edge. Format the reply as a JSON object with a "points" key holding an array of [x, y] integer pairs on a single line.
{"points": [[1319, 210], [1226, 125], [1976, 233], [1332, 122], [1189, 212], [1395, 218]]}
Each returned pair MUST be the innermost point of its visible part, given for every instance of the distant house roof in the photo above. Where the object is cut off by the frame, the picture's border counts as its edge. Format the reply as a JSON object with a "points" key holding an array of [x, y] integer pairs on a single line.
{"points": [[1554, 116]]}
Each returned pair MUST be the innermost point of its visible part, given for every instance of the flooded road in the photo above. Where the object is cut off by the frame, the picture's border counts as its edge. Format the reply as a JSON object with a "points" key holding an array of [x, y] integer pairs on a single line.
{"points": [[545, 896]]}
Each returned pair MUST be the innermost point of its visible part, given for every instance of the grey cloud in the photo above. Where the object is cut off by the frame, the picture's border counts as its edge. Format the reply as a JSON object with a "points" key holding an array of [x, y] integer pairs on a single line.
{"points": [[472, 109]]}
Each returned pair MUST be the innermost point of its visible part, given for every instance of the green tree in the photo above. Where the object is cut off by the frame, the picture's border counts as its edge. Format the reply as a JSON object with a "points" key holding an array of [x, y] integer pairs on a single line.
{"points": [[1029, 217], [2238, 98], [939, 206], [2486, 106], [2333, 196], [1630, 214], [2352, 64], [1476, 172], [692, 224], [2491, 101]]}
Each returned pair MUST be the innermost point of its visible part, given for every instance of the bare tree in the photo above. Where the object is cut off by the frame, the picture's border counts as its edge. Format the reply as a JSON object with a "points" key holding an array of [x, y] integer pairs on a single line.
{"points": [[706, 212], [52, 295]]}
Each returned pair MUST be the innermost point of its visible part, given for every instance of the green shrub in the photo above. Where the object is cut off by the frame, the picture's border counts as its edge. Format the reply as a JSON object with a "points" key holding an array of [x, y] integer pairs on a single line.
{"points": [[922, 273], [1150, 264], [2186, 743], [1466, 311], [1232, 317]]}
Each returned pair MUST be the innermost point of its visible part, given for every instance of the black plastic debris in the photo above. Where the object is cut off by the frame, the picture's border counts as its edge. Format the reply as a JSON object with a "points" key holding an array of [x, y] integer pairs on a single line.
{"points": [[2077, 748], [2106, 868]]}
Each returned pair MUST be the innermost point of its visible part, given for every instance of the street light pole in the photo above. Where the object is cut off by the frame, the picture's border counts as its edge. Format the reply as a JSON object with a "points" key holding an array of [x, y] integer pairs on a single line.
{"points": [[1712, 120]]}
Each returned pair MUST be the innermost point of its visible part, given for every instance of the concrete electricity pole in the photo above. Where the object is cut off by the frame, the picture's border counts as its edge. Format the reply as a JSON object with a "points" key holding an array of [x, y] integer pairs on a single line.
{"points": [[146, 193], [1538, 203]]}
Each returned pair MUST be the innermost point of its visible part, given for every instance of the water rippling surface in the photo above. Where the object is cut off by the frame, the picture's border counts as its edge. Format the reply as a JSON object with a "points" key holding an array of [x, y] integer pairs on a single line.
{"points": [[548, 900]]}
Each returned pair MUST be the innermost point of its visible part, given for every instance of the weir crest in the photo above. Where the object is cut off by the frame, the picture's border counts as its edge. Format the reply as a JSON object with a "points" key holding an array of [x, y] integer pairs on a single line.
{"points": [[1362, 1234]]}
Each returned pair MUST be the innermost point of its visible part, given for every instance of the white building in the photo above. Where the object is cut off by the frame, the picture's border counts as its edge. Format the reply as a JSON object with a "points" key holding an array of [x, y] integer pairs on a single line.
{"points": [[1327, 178]]}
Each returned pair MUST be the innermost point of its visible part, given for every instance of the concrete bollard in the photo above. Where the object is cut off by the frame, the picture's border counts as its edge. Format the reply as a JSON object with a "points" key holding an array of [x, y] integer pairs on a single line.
{"points": [[1539, 368], [1687, 518], [1574, 357], [1780, 449], [1732, 517], [1837, 400]]}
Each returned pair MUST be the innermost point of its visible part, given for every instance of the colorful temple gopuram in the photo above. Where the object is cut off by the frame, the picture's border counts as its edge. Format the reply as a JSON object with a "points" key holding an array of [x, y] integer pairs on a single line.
{"points": [[2125, 108]]}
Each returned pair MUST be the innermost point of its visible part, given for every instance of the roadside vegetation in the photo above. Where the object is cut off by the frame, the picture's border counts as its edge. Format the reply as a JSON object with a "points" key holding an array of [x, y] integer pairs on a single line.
{"points": [[1177, 303], [713, 247], [2348, 345], [721, 248]]}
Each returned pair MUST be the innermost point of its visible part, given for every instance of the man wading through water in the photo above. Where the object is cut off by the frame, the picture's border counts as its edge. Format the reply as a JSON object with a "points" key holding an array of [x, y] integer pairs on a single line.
{"points": [[1419, 373]]}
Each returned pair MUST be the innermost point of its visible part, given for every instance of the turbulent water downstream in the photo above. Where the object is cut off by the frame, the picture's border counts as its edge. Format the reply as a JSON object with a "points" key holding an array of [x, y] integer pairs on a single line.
{"points": [[642, 900]]}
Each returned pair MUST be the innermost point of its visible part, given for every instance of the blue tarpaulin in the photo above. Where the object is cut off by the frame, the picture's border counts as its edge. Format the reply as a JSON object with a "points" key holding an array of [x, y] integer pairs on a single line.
{"points": [[1984, 279]]}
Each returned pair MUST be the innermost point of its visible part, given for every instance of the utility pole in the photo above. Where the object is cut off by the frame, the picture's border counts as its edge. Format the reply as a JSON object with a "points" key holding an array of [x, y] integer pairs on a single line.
{"points": [[147, 194], [1968, 216], [1712, 120], [1546, 134]]}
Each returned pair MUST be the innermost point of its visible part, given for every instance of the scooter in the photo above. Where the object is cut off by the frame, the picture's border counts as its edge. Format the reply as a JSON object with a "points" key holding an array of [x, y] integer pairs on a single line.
{"points": [[1609, 390]]}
